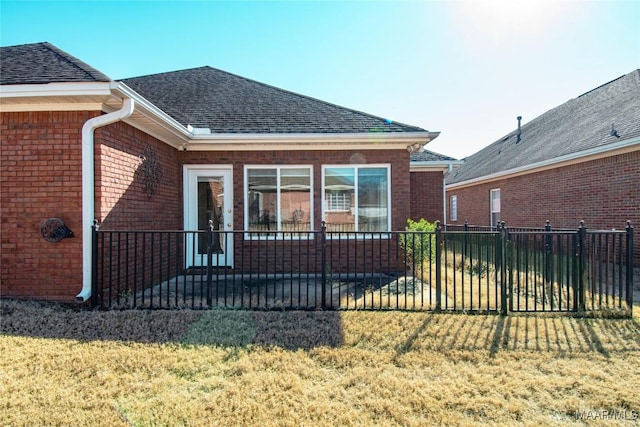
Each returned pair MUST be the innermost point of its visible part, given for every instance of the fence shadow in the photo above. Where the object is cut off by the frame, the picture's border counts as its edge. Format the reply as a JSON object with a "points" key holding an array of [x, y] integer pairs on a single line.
{"points": [[407, 331], [562, 335], [290, 330]]}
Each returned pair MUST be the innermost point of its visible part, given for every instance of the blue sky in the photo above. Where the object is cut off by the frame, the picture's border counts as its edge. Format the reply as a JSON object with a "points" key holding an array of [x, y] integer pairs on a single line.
{"points": [[464, 68]]}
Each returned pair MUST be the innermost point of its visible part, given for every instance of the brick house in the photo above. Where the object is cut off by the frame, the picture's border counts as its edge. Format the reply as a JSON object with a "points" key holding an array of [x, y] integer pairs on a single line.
{"points": [[578, 161], [428, 170], [174, 150]]}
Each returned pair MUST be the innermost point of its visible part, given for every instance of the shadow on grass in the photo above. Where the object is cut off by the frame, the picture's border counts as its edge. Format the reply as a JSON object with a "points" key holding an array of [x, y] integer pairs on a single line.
{"points": [[289, 330], [407, 331], [493, 334]]}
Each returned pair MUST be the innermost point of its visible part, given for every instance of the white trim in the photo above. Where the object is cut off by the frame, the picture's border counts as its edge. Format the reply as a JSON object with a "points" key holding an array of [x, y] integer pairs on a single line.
{"points": [[434, 165], [306, 141], [278, 168], [608, 150], [491, 211], [387, 166], [57, 89], [67, 106], [190, 202], [451, 201]]}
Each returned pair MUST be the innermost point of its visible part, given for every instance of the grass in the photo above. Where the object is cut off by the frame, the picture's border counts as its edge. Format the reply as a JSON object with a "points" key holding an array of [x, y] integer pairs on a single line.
{"points": [[60, 366]]}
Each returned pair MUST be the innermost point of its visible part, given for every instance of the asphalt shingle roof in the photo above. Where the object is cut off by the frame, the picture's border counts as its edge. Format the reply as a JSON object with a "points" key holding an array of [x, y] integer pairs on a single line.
{"points": [[41, 63], [430, 156], [579, 124], [206, 97]]}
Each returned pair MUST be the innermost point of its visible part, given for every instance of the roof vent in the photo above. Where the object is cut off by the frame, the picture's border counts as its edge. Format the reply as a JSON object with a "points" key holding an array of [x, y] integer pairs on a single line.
{"points": [[614, 132], [519, 130], [198, 131]]}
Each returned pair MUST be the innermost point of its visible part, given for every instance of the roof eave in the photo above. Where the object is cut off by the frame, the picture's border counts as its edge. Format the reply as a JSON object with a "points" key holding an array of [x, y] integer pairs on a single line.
{"points": [[434, 165], [307, 141], [608, 150]]}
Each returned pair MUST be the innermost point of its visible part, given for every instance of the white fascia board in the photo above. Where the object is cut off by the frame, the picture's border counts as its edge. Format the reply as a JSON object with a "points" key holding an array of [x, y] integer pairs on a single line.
{"points": [[306, 141], [434, 166], [48, 106], [608, 150], [56, 89]]}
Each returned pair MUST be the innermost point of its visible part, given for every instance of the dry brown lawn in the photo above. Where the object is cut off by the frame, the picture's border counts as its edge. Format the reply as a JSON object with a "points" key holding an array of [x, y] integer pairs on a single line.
{"points": [[60, 366]]}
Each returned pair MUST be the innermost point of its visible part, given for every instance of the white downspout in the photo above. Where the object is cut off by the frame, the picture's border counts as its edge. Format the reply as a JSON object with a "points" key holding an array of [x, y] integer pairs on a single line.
{"points": [[88, 188], [444, 192]]}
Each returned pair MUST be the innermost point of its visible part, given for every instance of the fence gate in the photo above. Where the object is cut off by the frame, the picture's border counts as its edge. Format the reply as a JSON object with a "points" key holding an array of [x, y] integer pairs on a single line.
{"points": [[570, 271]]}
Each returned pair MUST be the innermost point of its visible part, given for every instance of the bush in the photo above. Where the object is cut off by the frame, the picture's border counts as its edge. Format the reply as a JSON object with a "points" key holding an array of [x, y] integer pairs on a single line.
{"points": [[420, 242]]}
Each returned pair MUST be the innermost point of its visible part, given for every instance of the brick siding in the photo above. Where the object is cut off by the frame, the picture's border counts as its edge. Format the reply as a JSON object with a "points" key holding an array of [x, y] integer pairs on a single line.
{"points": [[41, 161], [427, 196], [121, 200], [605, 193]]}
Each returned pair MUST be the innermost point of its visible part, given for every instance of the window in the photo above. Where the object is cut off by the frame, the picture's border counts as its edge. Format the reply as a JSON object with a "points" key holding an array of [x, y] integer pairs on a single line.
{"points": [[337, 200], [278, 198], [356, 198], [495, 207], [453, 208]]}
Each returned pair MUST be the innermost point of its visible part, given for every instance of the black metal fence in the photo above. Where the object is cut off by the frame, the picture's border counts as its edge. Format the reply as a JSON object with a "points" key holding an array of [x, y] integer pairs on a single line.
{"points": [[503, 270]]}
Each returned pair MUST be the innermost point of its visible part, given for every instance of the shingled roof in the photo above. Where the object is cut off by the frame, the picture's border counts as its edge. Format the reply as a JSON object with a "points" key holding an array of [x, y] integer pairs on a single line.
{"points": [[430, 156], [577, 125], [41, 63], [206, 97]]}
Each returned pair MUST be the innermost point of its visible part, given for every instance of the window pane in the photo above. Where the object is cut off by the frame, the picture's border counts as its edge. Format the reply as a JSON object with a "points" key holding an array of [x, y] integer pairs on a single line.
{"points": [[454, 208], [295, 199], [339, 192], [373, 205], [262, 199]]}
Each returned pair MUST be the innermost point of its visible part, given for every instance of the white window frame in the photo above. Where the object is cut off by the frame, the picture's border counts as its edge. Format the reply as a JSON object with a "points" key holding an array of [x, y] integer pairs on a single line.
{"points": [[492, 206], [453, 207], [286, 234], [339, 204], [354, 204]]}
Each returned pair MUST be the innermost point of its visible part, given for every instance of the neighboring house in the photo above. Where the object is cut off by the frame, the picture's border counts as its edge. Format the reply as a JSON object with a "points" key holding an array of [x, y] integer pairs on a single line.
{"points": [[174, 150], [577, 162], [428, 170]]}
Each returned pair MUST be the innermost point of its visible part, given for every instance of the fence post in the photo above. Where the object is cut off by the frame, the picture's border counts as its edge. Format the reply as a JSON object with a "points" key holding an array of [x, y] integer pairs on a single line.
{"points": [[209, 235], [548, 259], [582, 267], [438, 267], [466, 240], [323, 249], [629, 229], [94, 263], [501, 262]]}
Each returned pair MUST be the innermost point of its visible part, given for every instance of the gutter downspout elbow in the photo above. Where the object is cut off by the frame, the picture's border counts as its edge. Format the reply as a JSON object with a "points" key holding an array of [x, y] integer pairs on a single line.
{"points": [[88, 188]]}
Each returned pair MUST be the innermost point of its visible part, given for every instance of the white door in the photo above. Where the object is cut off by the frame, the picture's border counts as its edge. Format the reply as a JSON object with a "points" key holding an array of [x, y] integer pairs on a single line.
{"points": [[208, 199]]}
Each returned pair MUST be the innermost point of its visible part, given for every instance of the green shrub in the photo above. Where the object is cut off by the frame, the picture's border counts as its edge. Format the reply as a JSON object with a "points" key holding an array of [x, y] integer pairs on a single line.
{"points": [[420, 243]]}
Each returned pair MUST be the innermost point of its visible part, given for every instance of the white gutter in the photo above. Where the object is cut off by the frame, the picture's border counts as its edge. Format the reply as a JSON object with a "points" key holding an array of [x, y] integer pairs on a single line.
{"points": [[88, 188]]}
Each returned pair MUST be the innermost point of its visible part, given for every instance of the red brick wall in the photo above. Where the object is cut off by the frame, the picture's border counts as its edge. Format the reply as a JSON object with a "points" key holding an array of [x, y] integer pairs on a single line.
{"points": [[41, 178], [121, 200], [605, 193], [426, 196]]}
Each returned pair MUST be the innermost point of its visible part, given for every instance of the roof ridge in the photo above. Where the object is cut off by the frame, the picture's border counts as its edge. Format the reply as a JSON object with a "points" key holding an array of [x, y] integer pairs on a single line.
{"points": [[247, 79], [602, 85], [75, 62]]}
